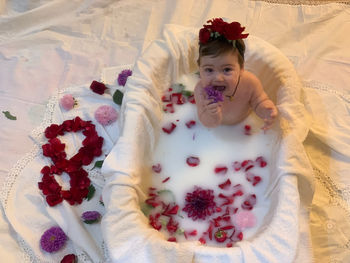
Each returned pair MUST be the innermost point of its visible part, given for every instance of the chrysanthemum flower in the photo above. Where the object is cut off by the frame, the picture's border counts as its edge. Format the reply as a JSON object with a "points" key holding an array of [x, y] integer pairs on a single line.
{"points": [[200, 203], [90, 217], [123, 76], [213, 94], [106, 115], [53, 239]]}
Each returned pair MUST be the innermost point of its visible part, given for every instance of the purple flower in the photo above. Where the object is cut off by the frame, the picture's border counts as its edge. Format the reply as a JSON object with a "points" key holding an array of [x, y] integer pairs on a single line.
{"points": [[53, 239], [123, 76], [213, 94], [106, 115], [200, 203], [90, 217]]}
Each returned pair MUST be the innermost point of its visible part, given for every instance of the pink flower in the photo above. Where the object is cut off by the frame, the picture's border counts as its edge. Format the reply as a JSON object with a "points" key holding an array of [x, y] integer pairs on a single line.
{"points": [[106, 115], [67, 102]]}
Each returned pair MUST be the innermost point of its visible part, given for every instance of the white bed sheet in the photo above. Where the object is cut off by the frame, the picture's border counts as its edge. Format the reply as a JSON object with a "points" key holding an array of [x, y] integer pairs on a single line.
{"points": [[47, 46]]}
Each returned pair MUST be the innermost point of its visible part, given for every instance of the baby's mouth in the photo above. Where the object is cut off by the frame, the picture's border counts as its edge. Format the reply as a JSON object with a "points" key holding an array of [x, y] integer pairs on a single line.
{"points": [[219, 88]]}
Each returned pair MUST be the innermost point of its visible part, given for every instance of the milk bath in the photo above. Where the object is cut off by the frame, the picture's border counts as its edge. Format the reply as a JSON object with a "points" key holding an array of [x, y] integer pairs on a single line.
{"points": [[221, 146]]}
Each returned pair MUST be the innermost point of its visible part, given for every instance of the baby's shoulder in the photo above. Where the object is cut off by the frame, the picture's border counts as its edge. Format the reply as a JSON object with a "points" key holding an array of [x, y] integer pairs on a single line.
{"points": [[250, 80]]}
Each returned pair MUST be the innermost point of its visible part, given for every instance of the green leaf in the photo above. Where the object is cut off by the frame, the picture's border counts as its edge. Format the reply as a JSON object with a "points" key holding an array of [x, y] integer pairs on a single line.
{"points": [[187, 93], [118, 97], [91, 221], [91, 192], [98, 164], [146, 209], [9, 115], [178, 87], [180, 231]]}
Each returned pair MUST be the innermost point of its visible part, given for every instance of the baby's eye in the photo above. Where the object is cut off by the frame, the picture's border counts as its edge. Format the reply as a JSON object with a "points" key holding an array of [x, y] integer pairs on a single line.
{"points": [[227, 70], [208, 70]]}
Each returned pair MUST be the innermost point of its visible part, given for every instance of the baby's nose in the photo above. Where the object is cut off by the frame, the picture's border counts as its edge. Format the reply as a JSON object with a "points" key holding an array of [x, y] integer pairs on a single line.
{"points": [[219, 76]]}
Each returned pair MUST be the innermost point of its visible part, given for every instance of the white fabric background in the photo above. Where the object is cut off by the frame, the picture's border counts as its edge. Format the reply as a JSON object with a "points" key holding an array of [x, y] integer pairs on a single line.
{"points": [[46, 46]]}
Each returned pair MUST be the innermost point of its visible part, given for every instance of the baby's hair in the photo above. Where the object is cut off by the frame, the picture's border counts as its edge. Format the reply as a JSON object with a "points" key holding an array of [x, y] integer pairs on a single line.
{"points": [[218, 47]]}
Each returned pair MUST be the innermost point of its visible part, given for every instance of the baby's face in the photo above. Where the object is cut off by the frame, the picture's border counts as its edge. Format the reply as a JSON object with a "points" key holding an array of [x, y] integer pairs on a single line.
{"points": [[221, 72]]}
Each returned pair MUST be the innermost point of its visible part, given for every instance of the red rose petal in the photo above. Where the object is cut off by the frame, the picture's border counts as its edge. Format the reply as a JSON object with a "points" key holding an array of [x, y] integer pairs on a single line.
{"points": [[247, 130], [169, 108], [166, 179], [236, 166], [220, 170], [178, 98], [191, 99], [169, 127], [172, 239], [261, 161], [157, 168], [225, 185], [192, 161], [166, 97], [249, 202], [190, 124]]}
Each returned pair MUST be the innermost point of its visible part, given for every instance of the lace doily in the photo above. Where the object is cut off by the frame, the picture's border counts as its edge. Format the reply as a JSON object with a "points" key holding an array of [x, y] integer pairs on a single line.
{"points": [[38, 138]]}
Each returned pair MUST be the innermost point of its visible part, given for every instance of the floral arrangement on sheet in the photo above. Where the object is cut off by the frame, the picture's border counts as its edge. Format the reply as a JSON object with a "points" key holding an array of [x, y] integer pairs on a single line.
{"points": [[80, 186]]}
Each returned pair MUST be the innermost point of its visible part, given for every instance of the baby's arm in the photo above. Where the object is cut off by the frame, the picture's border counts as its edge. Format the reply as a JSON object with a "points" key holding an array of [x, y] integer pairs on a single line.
{"points": [[209, 113], [261, 104]]}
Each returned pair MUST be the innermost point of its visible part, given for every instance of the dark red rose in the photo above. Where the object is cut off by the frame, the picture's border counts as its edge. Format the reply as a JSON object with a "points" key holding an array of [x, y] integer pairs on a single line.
{"points": [[98, 87], [53, 131], [233, 31], [71, 258], [217, 25], [204, 35], [54, 199]]}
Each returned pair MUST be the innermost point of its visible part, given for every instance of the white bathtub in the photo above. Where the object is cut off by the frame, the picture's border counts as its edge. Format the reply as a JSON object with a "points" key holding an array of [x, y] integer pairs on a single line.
{"points": [[126, 232]]}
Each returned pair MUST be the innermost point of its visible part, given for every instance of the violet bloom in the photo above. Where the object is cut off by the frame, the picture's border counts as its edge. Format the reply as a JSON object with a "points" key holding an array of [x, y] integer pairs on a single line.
{"points": [[90, 217], [53, 239], [123, 76], [213, 94]]}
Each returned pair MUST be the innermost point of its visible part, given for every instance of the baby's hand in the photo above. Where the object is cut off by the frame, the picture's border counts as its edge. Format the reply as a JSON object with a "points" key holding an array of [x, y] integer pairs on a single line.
{"points": [[213, 109], [268, 112]]}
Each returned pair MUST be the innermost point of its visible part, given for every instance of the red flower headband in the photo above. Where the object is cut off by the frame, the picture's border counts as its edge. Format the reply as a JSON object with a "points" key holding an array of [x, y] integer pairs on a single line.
{"points": [[218, 28]]}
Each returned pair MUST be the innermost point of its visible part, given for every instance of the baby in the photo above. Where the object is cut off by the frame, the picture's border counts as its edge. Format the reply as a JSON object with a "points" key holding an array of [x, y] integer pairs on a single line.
{"points": [[226, 93]]}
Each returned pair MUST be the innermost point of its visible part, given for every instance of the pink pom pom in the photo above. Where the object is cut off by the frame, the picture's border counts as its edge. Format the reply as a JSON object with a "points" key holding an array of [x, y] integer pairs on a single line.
{"points": [[106, 115], [245, 219], [67, 102]]}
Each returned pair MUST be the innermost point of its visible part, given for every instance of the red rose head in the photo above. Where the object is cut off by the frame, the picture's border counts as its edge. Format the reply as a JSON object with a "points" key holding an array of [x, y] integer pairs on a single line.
{"points": [[217, 27], [98, 87]]}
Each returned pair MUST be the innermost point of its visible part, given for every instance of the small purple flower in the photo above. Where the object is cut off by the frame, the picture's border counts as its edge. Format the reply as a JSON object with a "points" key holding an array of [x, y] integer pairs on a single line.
{"points": [[90, 217], [106, 115], [213, 94], [123, 76], [53, 239]]}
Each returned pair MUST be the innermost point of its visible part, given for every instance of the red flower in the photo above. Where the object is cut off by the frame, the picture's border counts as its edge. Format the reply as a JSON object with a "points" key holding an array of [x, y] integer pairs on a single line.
{"points": [[54, 199], [233, 31], [200, 203], [217, 25], [53, 131], [204, 35], [54, 149], [98, 87], [71, 258], [219, 28]]}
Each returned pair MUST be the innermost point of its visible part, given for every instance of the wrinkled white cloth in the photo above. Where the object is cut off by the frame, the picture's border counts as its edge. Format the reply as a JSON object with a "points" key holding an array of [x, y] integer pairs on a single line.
{"points": [[125, 228]]}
